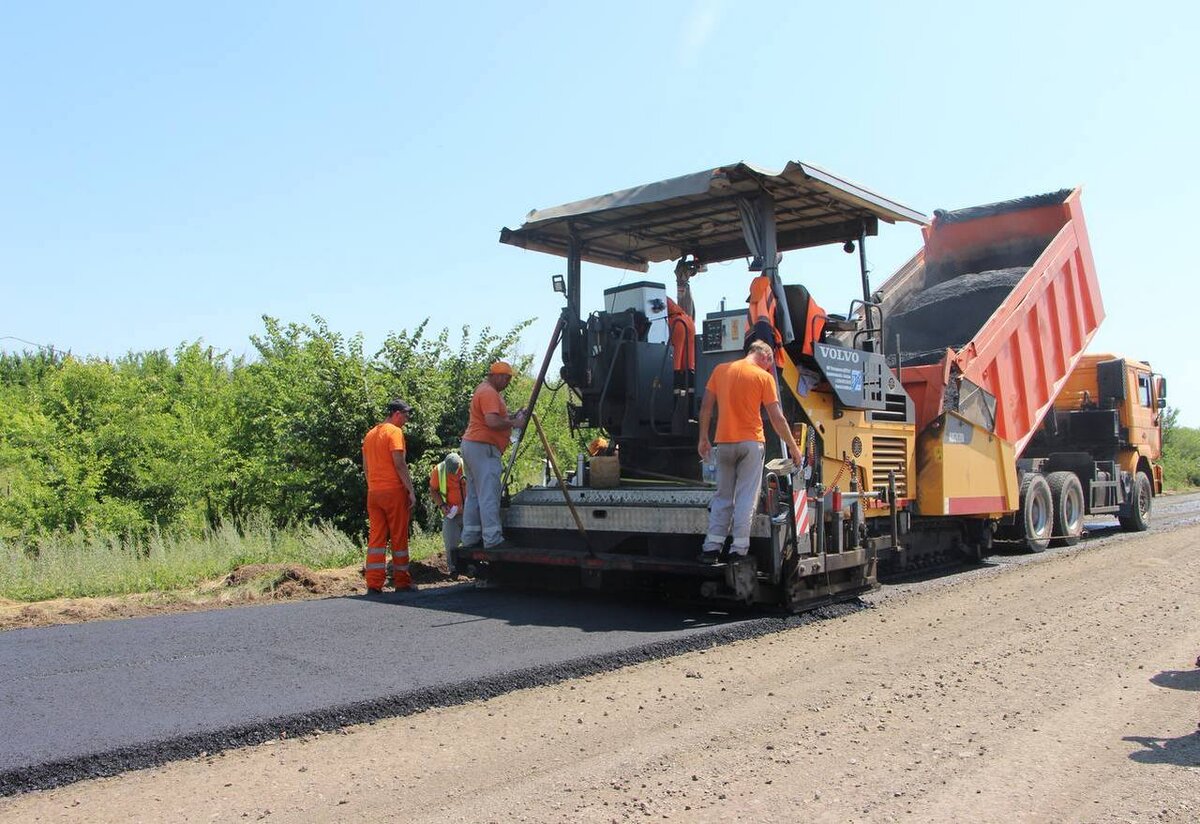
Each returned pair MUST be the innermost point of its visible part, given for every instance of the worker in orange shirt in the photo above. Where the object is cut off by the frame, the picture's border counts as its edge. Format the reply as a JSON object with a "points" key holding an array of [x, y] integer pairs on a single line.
{"points": [[737, 392], [390, 499], [683, 343], [448, 488], [760, 317], [483, 443]]}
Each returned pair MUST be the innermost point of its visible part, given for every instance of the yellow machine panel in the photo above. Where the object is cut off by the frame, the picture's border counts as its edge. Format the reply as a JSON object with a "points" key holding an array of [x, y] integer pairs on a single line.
{"points": [[962, 469], [875, 448]]}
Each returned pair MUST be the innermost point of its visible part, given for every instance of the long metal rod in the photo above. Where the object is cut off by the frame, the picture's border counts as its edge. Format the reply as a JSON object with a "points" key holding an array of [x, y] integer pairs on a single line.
{"points": [[562, 484], [533, 396], [658, 476], [862, 263], [866, 285]]}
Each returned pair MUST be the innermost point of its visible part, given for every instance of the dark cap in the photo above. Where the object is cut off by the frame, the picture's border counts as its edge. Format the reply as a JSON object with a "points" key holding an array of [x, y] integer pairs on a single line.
{"points": [[397, 405]]}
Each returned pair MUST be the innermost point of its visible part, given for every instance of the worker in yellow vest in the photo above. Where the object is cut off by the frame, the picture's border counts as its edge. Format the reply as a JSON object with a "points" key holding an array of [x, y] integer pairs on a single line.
{"points": [[448, 488]]}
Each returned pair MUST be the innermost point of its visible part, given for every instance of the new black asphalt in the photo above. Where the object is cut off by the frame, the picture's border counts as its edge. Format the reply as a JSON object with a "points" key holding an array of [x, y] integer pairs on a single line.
{"points": [[95, 699]]}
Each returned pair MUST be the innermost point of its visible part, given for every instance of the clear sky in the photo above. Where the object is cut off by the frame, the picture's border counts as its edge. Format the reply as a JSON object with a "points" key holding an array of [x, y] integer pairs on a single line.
{"points": [[172, 172]]}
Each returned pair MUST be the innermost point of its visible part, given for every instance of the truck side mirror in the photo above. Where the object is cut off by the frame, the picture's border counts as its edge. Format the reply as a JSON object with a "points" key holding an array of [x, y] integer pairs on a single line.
{"points": [[560, 284], [1162, 403]]}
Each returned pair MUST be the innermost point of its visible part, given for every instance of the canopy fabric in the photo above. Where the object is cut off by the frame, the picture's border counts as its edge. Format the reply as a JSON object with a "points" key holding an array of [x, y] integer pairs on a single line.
{"points": [[699, 214]]}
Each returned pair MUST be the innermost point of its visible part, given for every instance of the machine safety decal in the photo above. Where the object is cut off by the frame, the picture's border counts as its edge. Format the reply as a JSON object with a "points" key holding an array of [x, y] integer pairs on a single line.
{"points": [[800, 510]]}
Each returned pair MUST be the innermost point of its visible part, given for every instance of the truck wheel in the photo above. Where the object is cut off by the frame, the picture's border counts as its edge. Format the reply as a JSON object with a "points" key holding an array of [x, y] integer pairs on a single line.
{"points": [[1037, 512], [1067, 495], [1138, 519]]}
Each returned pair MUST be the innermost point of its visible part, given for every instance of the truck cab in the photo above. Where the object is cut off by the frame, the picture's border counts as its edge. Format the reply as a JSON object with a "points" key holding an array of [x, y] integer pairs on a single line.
{"points": [[1110, 409]]}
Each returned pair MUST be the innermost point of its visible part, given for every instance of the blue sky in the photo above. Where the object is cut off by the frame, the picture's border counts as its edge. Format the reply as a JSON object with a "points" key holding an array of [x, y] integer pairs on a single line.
{"points": [[170, 173]]}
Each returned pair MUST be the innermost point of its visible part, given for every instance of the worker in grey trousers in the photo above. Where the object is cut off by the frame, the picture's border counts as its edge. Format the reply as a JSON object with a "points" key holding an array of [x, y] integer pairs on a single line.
{"points": [[738, 392], [483, 445]]}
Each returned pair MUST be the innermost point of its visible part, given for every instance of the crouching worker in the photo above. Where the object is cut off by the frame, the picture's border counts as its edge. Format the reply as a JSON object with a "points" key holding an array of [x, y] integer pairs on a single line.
{"points": [[448, 488], [390, 499]]}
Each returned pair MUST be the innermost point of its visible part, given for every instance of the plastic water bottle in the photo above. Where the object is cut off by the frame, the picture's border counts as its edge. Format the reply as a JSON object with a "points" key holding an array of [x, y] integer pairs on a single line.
{"points": [[708, 470]]}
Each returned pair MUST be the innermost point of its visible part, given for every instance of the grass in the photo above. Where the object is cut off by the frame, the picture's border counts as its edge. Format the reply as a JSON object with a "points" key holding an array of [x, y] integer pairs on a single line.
{"points": [[85, 564]]}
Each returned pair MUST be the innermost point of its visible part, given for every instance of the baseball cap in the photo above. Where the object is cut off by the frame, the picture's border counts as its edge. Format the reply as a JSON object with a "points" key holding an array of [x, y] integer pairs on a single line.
{"points": [[398, 405], [500, 368]]}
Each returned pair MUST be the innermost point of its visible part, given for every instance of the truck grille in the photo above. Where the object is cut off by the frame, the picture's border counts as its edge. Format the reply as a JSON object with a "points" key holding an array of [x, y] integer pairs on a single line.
{"points": [[887, 454]]}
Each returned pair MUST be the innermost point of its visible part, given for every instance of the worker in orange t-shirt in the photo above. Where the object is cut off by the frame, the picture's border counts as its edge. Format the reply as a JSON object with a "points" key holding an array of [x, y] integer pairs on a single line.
{"points": [[760, 317], [448, 488], [390, 499], [683, 343], [738, 391], [483, 443]]}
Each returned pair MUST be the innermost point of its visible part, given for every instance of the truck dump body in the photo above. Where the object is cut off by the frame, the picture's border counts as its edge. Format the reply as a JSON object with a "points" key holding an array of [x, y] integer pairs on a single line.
{"points": [[995, 312]]}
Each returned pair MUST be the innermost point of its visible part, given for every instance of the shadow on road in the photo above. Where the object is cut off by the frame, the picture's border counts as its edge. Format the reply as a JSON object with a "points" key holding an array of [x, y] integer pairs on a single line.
{"points": [[1178, 680], [1183, 751], [584, 611]]}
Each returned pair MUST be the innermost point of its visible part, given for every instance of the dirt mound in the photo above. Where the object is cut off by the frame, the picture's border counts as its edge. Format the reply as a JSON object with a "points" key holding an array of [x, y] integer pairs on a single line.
{"points": [[283, 580], [295, 580], [432, 570]]}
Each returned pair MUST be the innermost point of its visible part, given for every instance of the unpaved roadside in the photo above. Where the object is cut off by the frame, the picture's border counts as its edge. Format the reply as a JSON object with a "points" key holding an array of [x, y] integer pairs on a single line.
{"points": [[1063, 689], [247, 585]]}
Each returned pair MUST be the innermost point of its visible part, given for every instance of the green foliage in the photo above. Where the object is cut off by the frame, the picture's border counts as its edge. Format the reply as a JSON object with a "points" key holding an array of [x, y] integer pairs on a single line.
{"points": [[120, 452], [119, 446], [1181, 453]]}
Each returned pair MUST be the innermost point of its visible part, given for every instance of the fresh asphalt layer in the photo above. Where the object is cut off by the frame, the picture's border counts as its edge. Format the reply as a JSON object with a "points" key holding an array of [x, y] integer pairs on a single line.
{"points": [[96, 699]]}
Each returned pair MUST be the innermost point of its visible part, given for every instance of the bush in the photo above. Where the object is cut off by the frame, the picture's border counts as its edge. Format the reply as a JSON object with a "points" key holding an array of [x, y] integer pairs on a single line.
{"points": [[1181, 453], [116, 454]]}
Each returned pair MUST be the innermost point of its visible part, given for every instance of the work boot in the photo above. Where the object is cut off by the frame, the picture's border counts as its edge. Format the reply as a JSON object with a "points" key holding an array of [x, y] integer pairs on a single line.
{"points": [[503, 544], [374, 590], [708, 557]]}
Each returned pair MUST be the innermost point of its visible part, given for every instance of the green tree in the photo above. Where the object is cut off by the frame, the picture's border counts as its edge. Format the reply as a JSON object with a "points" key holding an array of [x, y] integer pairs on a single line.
{"points": [[189, 439], [1181, 453]]}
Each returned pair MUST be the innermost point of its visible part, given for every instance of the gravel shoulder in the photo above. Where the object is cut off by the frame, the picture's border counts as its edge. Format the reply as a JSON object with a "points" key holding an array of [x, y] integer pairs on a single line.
{"points": [[1062, 687]]}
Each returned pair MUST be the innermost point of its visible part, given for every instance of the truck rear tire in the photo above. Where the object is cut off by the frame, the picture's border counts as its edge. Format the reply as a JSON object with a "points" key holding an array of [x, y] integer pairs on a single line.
{"points": [[1037, 512], [1066, 493], [1138, 519]]}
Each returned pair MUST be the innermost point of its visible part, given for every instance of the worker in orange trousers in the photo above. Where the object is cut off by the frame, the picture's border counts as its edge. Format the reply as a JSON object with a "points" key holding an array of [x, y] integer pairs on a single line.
{"points": [[390, 499]]}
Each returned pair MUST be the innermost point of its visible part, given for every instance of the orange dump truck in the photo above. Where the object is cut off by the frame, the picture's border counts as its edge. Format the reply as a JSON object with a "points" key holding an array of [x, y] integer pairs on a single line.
{"points": [[991, 321]]}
